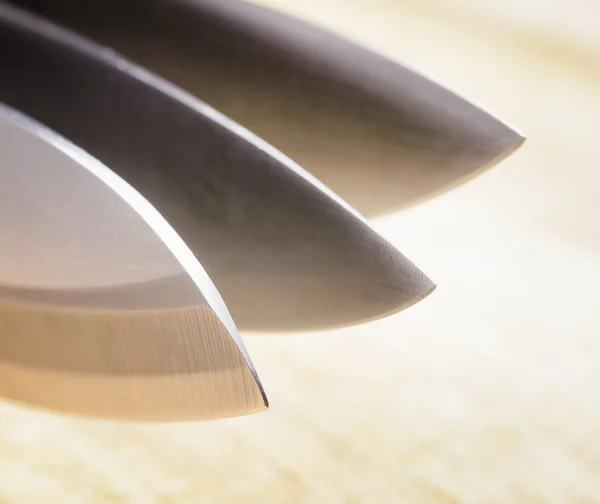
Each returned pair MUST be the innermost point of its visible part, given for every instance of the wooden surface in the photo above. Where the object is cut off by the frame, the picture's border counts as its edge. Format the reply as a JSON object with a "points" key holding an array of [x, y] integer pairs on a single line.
{"points": [[487, 392]]}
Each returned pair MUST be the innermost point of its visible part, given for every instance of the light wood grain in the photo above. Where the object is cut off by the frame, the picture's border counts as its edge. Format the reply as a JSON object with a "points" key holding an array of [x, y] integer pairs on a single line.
{"points": [[487, 392]]}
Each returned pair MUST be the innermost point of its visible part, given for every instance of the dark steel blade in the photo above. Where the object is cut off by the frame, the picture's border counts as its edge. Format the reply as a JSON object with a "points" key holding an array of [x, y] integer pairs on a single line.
{"points": [[378, 133], [284, 251]]}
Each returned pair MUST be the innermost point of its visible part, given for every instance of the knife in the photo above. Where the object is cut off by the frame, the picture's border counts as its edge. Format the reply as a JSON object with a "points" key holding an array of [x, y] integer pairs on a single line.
{"points": [[104, 311], [285, 252], [378, 133]]}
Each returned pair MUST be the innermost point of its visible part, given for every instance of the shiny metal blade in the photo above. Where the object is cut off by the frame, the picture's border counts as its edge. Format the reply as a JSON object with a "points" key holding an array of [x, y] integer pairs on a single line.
{"points": [[378, 133], [284, 251], [103, 309]]}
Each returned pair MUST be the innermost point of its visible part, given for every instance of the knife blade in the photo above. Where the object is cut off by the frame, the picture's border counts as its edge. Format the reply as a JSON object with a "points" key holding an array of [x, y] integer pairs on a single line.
{"points": [[361, 123], [285, 252], [104, 311]]}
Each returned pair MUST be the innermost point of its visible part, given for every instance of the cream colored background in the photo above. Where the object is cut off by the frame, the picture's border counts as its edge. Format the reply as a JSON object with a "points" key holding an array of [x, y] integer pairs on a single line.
{"points": [[487, 392]]}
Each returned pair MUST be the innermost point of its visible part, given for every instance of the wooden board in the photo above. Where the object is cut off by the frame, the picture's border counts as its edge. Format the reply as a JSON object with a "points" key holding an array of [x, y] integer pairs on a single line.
{"points": [[487, 392]]}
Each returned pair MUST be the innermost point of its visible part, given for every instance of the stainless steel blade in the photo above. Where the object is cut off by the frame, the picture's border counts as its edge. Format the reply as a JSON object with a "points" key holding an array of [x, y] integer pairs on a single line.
{"points": [[285, 252], [378, 133], [104, 311]]}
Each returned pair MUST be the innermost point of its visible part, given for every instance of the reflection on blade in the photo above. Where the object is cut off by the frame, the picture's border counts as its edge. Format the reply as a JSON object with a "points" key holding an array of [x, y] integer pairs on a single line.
{"points": [[284, 251], [103, 309], [362, 124]]}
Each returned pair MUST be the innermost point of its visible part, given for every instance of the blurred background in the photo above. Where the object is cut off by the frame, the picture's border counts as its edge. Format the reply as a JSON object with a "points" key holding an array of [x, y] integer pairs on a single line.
{"points": [[487, 391]]}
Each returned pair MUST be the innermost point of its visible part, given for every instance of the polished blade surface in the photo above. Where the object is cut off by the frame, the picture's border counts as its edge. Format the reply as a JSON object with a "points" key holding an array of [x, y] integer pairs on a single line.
{"points": [[284, 251], [103, 309], [379, 134]]}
